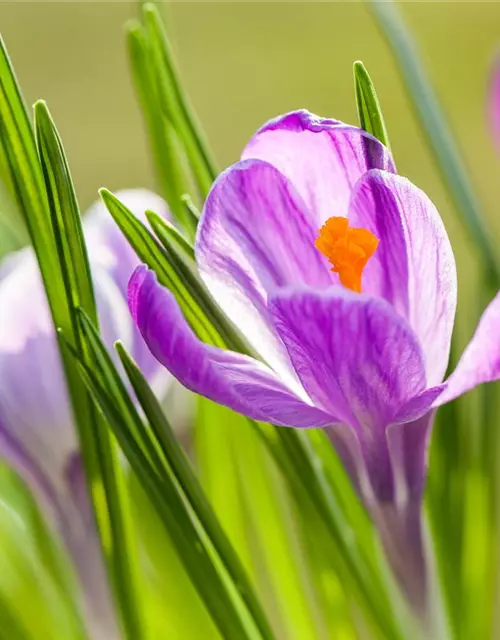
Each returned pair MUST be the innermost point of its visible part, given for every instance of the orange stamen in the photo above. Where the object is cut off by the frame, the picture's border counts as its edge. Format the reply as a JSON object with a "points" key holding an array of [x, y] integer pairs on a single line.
{"points": [[347, 249]]}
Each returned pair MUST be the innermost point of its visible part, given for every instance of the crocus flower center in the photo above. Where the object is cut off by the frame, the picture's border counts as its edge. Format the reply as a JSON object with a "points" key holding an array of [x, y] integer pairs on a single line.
{"points": [[348, 250]]}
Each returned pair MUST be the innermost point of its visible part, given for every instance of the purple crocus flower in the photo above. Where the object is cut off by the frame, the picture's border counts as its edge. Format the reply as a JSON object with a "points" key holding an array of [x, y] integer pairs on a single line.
{"points": [[37, 433], [341, 276]]}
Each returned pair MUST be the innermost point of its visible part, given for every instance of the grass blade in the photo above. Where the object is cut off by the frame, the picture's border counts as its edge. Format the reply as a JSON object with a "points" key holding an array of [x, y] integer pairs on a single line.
{"points": [[174, 103], [19, 150], [369, 110], [170, 237], [150, 451], [167, 152]]}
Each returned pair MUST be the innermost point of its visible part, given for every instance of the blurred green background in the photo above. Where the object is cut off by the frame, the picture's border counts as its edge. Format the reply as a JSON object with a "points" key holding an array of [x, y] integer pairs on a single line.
{"points": [[243, 63]]}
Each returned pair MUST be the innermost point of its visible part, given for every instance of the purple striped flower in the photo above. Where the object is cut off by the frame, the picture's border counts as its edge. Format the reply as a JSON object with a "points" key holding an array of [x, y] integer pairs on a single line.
{"points": [[341, 276], [37, 433]]}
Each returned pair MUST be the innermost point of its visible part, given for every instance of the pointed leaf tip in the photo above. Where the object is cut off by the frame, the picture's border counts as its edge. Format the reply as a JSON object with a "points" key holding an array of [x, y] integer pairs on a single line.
{"points": [[370, 114]]}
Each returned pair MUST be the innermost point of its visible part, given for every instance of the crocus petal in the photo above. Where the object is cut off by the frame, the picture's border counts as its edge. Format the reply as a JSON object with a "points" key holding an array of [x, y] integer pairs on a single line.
{"points": [[419, 404], [322, 158], [346, 443], [12, 450], [408, 446], [400, 521], [391, 488], [34, 405], [109, 249], [254, 236], [494, 101], [354, 355], [480, 362], [413, 267], [106, 244], [236, 381]]}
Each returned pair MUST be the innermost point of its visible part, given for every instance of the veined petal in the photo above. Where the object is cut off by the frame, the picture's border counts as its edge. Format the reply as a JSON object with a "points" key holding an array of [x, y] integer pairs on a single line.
{"points": [[419, 405], [356, 358], [236, 381], [413, 267], [408, 446], [480, 362], [322, 158], [255, 235]]}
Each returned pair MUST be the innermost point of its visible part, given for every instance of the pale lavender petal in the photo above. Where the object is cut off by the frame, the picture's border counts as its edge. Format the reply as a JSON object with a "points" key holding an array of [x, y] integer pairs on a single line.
{"points": [[400, 531], [480, 362], [408, 446], [109, 249], [413, 267], [27, 467], [68, 511], [34, 406], [346, 443], [236, 381], [254, 236], [494, 101], [106, 244], [322, 158], [400, 522], [419, 404], [356, 358]]}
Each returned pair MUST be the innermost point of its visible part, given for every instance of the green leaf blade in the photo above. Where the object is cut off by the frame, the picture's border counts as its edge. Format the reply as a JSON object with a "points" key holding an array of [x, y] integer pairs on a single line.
{"points": [[19, 150], [169, 163], [169, 236], [369, 110], [174, 103]]}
